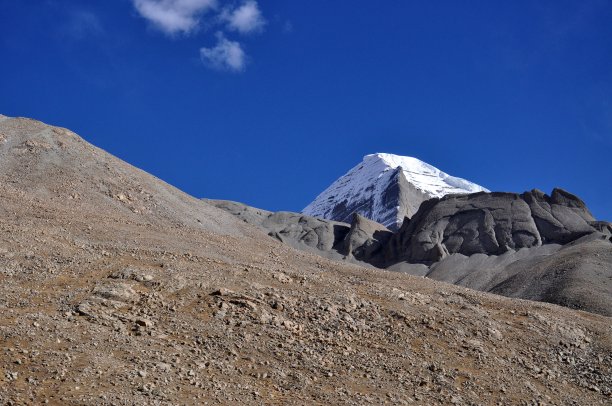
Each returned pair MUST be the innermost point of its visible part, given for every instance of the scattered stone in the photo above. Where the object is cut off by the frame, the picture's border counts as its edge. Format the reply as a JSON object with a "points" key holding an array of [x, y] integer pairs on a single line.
{"points": [[121, 292], [222, 292], [144, 322]]}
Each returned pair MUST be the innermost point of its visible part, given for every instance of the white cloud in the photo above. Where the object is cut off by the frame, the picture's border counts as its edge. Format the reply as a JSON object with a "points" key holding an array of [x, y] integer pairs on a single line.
{"points": [[226, 55], [245, 19], [173, 16]]}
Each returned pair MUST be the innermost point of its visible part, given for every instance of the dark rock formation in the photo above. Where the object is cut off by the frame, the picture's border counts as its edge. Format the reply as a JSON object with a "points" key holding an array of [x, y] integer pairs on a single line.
{"points": [[365, 239], [560, 218], [294, 229], [531, 245], [489, 223], [361, 241]]}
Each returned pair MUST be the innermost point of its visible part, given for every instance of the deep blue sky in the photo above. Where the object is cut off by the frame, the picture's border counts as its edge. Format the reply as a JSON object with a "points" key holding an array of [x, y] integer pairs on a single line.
{"points": [[512, 95]]}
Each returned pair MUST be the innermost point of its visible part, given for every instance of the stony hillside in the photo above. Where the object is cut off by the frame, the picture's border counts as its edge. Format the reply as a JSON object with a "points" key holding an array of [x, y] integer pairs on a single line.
{"points": [[53, 165], [115, 288], [530, 246]]}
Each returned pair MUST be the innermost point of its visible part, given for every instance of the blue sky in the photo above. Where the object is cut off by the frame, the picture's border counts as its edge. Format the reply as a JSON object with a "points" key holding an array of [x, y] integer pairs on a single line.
{"points": [[267, 102]]}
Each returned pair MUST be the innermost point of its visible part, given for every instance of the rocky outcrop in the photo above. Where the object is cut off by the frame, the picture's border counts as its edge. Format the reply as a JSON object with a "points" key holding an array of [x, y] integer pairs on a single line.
{"points": [[603, 227], [560, 217], [294, 229], [361, 241], [365, 239], [320, 234], [530, 245], [489, 223]]}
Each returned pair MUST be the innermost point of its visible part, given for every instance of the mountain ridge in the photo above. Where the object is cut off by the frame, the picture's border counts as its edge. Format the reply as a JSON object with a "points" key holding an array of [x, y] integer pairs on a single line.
{"points": [[386, 188], [113, 296]]}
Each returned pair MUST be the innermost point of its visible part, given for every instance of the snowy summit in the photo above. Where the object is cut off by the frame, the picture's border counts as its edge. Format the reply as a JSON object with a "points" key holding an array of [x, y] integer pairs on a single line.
{"points": [[386, 188]]}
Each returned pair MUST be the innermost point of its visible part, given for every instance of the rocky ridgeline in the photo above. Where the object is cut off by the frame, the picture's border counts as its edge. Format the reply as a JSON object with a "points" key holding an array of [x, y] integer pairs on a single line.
{"points": [[359, 240], [386, 188], [496, 242], [491, 224]]}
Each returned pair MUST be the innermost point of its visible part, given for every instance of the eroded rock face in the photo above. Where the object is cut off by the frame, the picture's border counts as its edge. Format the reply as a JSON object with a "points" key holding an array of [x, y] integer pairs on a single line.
{"points": [[365, 239], [362, 240], [320, 234], [603, 227], [489, 223], [560, 217], [294, 229], [531, 245]]}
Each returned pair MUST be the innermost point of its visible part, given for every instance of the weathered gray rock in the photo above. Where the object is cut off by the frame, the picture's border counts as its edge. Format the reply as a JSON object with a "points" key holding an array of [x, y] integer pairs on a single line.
{"points": [[604, 227], [578, 276], [313, 232], [365, 239], [489, 223], [361, 241], [121, 292], [530, 246], [295, 229], [561, 217]]}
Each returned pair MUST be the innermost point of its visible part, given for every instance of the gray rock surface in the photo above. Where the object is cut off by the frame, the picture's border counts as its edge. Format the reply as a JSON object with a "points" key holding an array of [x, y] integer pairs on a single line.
{"points": [[530, 246], [294, 229], [489, 223], [575, 275], [365, 239], [578, 275], [361, 241], [603, 227], [560, 217], [481, 271]]}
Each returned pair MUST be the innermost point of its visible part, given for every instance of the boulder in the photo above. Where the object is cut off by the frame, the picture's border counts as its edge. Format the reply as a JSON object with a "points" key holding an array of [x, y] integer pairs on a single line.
{"points": [[560, 217]]}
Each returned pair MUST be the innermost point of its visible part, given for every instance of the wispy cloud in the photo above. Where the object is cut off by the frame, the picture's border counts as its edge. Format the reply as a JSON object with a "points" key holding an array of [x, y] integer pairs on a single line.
{"points": [[226, 55], [245, 19], [174, 16]]}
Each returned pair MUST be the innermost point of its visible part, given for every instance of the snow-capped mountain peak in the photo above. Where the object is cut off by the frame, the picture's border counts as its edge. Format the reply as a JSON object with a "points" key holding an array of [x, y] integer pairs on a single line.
{"points": [[386, 188]]}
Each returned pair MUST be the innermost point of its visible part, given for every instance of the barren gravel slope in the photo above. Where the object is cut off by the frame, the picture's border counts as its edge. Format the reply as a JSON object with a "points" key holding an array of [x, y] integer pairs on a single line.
{"points": [[127, 300], [54, 165]]}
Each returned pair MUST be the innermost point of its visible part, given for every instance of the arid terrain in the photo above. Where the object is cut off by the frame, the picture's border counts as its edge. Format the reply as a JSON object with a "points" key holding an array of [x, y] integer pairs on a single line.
{"points": [[116, 288]]}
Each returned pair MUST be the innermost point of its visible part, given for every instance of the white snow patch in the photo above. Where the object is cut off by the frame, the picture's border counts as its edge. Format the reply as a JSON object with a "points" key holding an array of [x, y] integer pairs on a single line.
{"points": [[371, 177]]}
